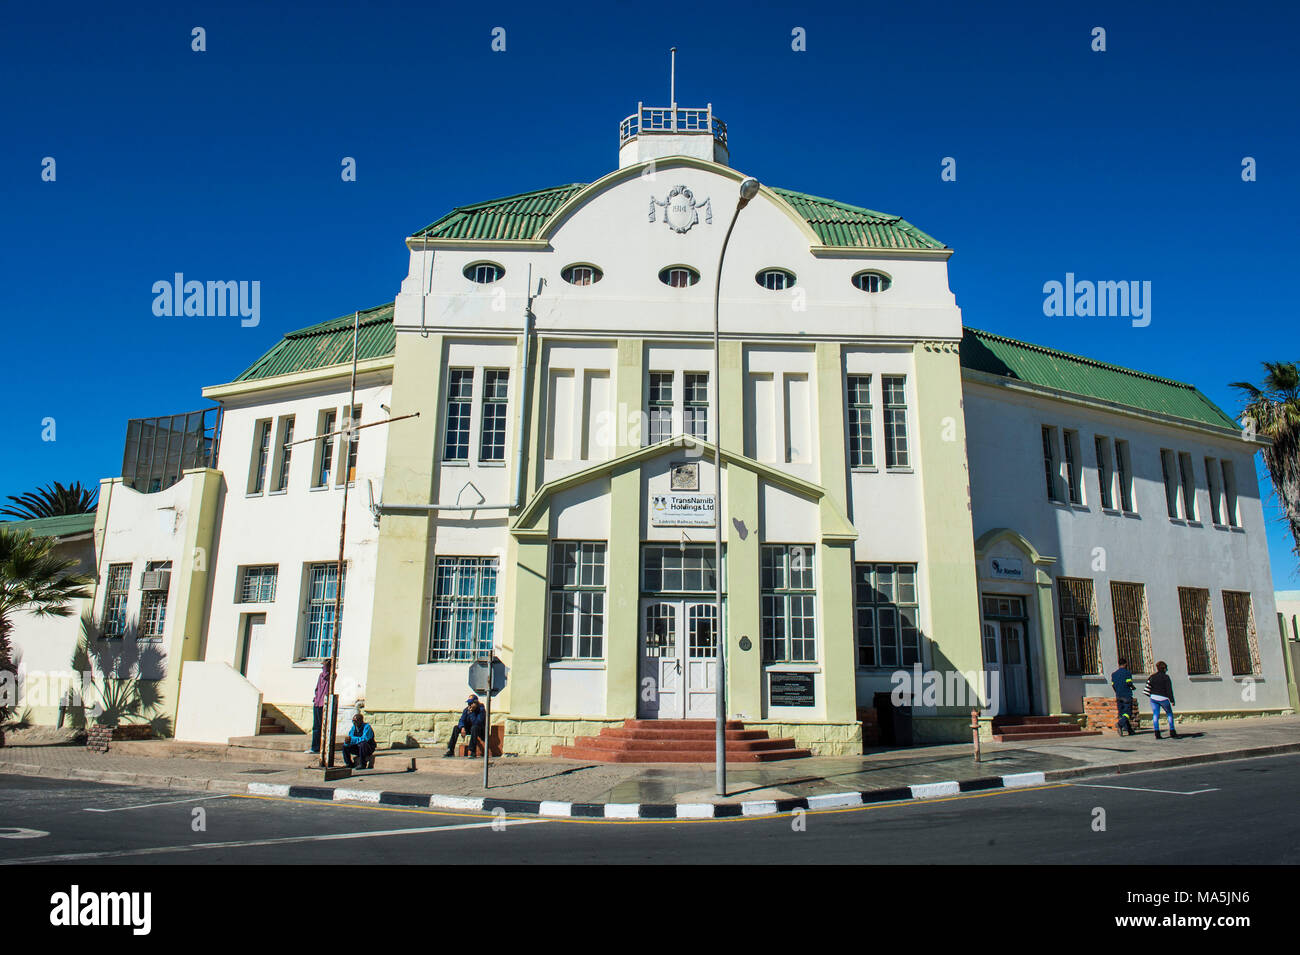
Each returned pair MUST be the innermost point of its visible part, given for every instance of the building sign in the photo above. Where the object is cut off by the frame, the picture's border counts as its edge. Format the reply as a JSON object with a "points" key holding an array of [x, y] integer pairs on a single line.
{"points": [[791, 689], [681, 510], [1008, 568]]}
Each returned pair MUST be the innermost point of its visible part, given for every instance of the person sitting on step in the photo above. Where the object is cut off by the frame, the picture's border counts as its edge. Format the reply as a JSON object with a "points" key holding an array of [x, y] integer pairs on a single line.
{"points": [[360, 745]]}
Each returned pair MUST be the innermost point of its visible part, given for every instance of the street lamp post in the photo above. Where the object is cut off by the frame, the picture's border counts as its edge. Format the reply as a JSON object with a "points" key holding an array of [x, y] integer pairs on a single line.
{"points": [[748, 189]]}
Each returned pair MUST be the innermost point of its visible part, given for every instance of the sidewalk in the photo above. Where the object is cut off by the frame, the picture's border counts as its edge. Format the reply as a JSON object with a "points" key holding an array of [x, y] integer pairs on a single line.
{"points": [[521, 784]]}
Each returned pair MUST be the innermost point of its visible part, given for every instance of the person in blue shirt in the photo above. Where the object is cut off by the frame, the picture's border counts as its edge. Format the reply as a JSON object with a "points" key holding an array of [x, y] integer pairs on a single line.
{"points": [[1122, 681], [360, 744], [473, 723]]}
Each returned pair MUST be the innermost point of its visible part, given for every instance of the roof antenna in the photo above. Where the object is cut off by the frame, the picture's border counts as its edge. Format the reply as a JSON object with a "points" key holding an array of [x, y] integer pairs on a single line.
{"points": [[672, 79]]}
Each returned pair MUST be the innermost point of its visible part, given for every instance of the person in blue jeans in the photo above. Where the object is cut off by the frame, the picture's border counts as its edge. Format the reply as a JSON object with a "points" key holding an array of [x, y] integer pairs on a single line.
{"points": [[473, 723], [318, 705], [1122, 681], [360, 744], [1161, 691]]}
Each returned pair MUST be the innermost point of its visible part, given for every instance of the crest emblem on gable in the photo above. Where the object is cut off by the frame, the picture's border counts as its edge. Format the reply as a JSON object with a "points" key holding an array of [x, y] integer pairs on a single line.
{"points": [[681, 211]]}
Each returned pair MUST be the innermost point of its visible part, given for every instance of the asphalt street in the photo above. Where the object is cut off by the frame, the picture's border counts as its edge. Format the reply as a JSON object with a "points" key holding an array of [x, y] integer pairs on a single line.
{"points": [[1211, 814]]}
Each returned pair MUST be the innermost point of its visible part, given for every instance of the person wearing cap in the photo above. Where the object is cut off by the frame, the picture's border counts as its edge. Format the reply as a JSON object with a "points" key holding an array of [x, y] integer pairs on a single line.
{"points": [[473, 723], [318, 705], [360, 744]]}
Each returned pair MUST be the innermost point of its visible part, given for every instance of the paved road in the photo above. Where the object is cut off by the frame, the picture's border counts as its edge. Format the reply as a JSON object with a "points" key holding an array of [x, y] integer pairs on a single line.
{"points": [[1196, 815]]}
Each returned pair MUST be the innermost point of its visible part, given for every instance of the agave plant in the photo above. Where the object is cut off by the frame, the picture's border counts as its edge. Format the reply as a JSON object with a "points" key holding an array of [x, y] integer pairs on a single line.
{"points": [[35, 580], [124, 674], [51, 501], [1273, 411]]}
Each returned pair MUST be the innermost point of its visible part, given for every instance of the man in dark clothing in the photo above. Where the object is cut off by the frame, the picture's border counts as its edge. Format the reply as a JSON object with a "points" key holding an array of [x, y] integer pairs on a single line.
{"points": [[473, 723], [1122, 681], [318, 705], [1161, 691]]}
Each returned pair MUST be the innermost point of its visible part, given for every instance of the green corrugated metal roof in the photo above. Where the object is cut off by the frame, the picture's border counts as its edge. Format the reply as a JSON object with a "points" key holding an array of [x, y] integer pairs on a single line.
{"points": [[525, 215], [65, 525], [844, 226], [1034, 364], [329, 343]]}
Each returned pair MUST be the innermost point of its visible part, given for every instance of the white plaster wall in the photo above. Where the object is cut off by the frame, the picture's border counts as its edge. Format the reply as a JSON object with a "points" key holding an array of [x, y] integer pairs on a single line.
{"points": [[1008, 489]]}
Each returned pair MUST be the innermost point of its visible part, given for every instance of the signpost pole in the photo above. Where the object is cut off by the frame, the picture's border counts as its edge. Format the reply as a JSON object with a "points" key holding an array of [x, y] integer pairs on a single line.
{"points": [[487, 729]]}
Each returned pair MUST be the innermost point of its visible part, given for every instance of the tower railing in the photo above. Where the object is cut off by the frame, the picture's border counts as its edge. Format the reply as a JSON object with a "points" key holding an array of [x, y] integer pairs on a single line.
{"points": [[671, 119]]}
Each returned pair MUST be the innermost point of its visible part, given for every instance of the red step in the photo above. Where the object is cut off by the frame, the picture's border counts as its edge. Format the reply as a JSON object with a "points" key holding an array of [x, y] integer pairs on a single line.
{"points": [[672, 756], [1035, 737], [678, 741]]}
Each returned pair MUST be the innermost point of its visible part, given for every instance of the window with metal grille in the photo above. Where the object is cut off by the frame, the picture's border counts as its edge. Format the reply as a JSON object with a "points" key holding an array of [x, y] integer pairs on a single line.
{"points": [[861, 452], [695, 404], [460, 397], [1198, 631], [1080, 634], [464, 609], [679, 277], [577, 603], [581, 275], [1051, 464], [661, 406], [678, 568], [258, 585], [1242, 648], [351, 440], [325, 448], [1104, 472], [872, 281], [285, 452], [775, 279], [153, 605], [1073, 466], [262, 456], [323, 586], [484, 272], [788, 596], [118, 588], [895, 393], [1128, 603], [885, 600], [1124, 471], [496, 387]]}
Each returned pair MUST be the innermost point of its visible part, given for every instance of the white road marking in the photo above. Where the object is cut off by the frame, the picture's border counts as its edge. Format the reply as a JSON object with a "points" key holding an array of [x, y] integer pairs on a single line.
{"points": [[1138, 789], [8, 833], [151, 805], [933, 790], [250, 843], [1017, 780]]}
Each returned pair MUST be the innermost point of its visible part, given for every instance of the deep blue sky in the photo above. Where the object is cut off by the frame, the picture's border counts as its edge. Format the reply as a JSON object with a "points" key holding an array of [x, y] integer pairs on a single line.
{"points": [[225, 165]]}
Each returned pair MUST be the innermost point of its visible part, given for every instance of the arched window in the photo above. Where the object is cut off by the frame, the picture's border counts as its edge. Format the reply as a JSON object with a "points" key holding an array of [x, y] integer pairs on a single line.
{"points": [[872, 281], [484, 272], [775, 279], [582, 274], [679, 276]]}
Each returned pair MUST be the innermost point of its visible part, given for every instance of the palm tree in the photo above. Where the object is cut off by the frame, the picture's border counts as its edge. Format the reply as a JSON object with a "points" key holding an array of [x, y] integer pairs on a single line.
{"points": [[1273, 411], [52, 502], [36, 580]]}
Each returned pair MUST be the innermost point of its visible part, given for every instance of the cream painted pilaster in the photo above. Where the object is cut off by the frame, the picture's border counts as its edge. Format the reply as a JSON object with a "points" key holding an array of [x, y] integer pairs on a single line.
{"points": [[622, 621]]}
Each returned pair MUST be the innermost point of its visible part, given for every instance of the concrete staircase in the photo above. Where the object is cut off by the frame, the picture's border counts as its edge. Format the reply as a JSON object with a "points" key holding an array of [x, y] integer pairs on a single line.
{"points": [[678, 741], [1030, 729]]}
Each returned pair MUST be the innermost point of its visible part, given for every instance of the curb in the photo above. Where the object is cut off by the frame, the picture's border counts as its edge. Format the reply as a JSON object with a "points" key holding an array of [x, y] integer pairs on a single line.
{"points": [[685, 811]]}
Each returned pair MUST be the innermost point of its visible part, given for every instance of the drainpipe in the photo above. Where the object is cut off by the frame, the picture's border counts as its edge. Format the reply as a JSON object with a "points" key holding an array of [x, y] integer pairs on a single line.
{"points": [[517, 495]]}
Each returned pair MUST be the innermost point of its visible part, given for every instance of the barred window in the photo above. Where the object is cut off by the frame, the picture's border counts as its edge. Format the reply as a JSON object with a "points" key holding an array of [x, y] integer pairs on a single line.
{"points": [[492, 446], [1132, 628], [464, 609], [460, 395], [1080, 634], [696, 405], [322, 585], [153, 605], [1198, 631], [861, 452], [661, 406], [885, 599], [896, 455], [788, 603], [257, 584], [1243, 650], [118, 587], [577, 603]]}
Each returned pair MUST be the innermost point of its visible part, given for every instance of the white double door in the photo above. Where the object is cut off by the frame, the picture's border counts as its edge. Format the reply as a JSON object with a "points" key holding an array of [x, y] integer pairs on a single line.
{"points": [[679, 659], [1004, 653]]}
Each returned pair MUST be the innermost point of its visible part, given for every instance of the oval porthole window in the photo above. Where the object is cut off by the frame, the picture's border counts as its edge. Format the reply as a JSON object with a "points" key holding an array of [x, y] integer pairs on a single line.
{"points": [[582, 275], [679, 276], [484, 272], [775, 279], [872, 281]]}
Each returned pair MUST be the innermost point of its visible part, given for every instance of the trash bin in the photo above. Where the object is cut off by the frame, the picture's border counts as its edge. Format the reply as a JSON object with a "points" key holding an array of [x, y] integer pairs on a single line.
{"points": [[895, 721]]}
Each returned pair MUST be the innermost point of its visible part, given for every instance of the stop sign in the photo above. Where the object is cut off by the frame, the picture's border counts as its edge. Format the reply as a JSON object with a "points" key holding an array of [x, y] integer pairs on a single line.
{"points": [[478, 676]]}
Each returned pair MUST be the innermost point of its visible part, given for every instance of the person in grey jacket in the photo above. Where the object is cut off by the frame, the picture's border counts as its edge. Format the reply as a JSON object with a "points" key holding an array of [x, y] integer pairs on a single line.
{"points": [[1160, 689]]}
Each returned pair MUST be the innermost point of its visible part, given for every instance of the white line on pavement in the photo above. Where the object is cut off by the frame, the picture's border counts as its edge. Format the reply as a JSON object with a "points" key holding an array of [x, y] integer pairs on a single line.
{"points": [[1138, 789], [251, 843], [151, 805]]}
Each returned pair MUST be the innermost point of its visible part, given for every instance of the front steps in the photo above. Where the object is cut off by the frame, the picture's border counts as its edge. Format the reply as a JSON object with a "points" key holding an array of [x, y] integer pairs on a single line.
{"points": [[678, 741], [1031, 729]]}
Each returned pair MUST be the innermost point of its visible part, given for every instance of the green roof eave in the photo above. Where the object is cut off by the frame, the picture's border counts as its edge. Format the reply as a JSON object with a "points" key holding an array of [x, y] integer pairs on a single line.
{"points": [[327, 344], [64, 525]]}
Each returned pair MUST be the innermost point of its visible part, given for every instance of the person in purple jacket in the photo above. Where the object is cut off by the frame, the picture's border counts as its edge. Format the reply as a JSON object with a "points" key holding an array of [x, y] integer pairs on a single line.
{"points": [[318, 706]]}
